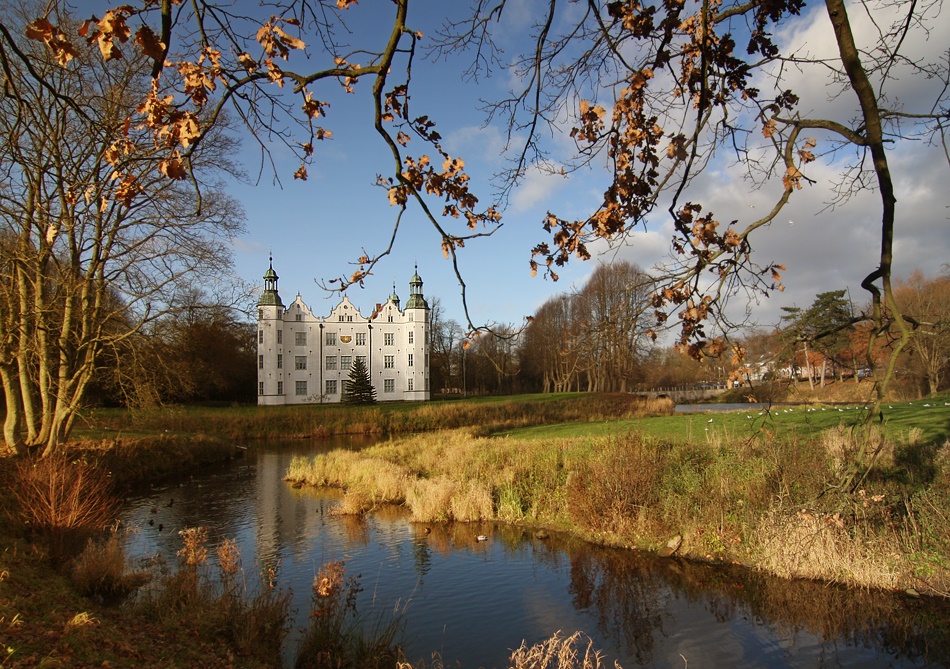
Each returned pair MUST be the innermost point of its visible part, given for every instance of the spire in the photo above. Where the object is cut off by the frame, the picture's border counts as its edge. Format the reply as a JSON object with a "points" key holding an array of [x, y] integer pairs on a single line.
{"points": [[394, 297], [416, 300], [270, 297]]}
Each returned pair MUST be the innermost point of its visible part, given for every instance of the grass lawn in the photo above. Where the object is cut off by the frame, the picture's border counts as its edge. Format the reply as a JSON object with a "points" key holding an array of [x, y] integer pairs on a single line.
{"points": [[931, 417]]}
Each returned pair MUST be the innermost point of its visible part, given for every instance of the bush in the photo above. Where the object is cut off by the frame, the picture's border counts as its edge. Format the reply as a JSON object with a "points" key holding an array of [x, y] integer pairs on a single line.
{"points": [[63, 501]]}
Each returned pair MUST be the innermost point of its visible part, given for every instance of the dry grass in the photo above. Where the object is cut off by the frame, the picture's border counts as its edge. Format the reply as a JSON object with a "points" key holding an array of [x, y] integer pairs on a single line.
{"points": [[814, 545], [101, 571], [575, 651], [559, 652], [430, 500]]}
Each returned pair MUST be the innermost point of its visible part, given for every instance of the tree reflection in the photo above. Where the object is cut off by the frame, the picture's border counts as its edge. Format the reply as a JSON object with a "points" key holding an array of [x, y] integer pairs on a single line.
{"points": [[629, 592]]}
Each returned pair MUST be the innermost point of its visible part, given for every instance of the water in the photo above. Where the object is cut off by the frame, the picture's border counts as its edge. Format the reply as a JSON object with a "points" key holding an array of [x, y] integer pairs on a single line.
{"points": [[474, 601]]}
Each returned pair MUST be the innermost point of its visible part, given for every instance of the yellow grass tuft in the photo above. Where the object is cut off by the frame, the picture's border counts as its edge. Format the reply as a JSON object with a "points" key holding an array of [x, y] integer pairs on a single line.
{"points": [[559, 652], [430, 499]]}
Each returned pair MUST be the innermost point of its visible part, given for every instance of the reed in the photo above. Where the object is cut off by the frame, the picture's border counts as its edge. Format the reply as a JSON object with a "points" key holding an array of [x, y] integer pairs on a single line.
{"points": [[338, 635]]}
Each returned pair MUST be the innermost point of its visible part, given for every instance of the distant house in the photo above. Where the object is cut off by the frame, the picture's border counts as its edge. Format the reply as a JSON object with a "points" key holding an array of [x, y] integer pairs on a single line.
{"points": [[305, 359]]}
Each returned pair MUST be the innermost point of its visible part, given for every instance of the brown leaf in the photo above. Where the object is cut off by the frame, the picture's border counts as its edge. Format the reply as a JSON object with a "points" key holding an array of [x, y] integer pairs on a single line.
{"points": [[173, 168], [148, 41]]}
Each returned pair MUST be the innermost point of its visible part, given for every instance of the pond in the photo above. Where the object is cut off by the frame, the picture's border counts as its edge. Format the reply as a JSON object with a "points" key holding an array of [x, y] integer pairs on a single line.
{"points": [[473, 601]]}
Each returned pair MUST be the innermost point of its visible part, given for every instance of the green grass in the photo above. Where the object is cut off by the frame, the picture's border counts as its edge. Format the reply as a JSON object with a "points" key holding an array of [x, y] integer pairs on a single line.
{"points": [[933, 422]]}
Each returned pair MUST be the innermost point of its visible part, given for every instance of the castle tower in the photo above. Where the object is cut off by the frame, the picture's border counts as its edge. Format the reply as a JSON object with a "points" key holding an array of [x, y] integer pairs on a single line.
{"points": [[417, 347], [270, 313]]}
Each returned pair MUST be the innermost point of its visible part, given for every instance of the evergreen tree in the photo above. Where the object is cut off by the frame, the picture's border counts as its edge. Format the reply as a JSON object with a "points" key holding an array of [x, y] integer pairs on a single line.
{"points": [[359, 388]]}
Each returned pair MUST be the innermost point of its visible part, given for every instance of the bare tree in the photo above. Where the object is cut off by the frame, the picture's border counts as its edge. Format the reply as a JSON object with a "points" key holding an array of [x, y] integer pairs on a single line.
{"points": [[94, 240], [927, 302], [550, 344], [613, 307]]}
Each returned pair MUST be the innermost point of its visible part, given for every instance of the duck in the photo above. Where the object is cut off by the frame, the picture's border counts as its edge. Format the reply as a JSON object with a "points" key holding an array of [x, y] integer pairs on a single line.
{"points": [[481, 537]]}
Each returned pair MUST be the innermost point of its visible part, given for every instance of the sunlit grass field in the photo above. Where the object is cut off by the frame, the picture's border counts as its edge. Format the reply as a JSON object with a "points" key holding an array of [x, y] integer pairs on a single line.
{"points": [[930, 417]]}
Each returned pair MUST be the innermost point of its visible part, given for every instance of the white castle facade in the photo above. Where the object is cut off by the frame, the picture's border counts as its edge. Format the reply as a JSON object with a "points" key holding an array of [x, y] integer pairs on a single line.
{"points": [[305, 359]]}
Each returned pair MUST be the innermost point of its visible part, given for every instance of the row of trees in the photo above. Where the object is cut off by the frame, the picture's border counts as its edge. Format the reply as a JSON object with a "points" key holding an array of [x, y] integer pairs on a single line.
{"points": [[599, 339]]}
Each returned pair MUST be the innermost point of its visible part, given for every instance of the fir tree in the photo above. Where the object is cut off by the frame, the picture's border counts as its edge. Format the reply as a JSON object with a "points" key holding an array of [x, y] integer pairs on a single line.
{"points": [[359, 389]]}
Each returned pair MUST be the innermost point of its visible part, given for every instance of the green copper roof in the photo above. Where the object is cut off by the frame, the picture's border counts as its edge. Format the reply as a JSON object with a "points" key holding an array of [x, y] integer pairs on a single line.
{"points": [[416, 302], [270, 298]]}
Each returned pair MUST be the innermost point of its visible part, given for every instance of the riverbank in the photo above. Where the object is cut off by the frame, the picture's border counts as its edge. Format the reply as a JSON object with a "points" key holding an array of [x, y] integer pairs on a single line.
{"points": [[775, 492], [242, 424]]}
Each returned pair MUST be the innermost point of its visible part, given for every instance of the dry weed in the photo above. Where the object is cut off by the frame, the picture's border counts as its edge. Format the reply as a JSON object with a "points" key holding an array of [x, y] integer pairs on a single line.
{"points": [[79, 621], [559, 652], [819, 546], [472, 501], [430, 500]]}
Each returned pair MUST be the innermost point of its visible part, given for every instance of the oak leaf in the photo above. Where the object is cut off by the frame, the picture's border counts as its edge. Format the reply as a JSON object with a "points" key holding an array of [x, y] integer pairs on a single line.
{"points": [[149, 42], [173, 168]]}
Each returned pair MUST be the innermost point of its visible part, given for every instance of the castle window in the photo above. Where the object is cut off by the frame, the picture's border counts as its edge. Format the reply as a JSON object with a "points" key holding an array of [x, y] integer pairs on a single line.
{"points": [[300, 362], [389, 339], [331, 387], [260, 336], [280, 312], [409, 385], [331, 362], [390, 319], [341, 318], [345, 362], [300, 338], [260, 387], [280, 387], [331, 338], [389, 361], [389, 385], [280, 336], [260, 362], [362, 358], [299, 317], [410, 336], [280, 361], [410, 359], [260, 314], [300, 388], [349, 319], [361, 339]]}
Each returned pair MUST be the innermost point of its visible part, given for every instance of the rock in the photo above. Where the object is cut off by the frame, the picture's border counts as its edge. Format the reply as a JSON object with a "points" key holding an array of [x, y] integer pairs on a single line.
{"points": [[672, 546], [541, 534]]}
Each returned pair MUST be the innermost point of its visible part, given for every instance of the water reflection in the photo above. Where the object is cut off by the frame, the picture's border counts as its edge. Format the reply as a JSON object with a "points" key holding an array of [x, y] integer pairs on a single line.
{"points": [[474, 601]]}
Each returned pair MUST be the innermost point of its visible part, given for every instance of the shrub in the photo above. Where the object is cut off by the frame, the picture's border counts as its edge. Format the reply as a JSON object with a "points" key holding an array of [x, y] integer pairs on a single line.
{"points": [[609, 492], [65, 502]]}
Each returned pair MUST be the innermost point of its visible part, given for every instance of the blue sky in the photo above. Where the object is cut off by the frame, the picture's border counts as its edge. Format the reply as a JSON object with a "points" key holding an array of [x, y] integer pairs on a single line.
{"points": [[316, 228]]}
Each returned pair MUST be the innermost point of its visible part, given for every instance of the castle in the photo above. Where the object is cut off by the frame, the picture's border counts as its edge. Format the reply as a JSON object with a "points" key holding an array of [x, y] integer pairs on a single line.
{"points": [[305, 359]]}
